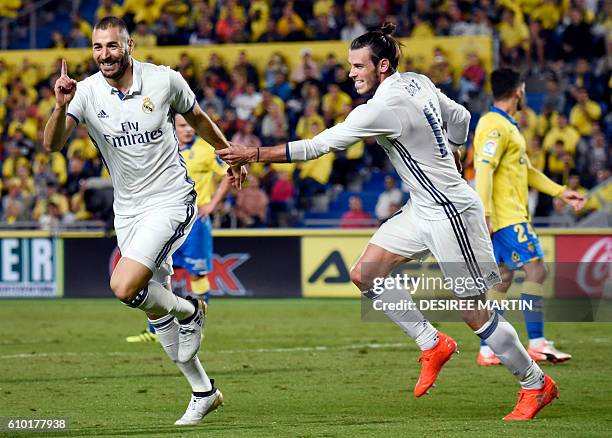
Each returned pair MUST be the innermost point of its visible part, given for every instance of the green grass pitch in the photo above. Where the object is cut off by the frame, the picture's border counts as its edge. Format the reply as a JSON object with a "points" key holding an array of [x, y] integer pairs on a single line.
{"points": [[294, 368]]}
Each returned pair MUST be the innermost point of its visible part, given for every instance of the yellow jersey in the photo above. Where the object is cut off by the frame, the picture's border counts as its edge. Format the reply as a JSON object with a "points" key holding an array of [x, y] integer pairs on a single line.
{"points": [[499, 143], [202, 167]]}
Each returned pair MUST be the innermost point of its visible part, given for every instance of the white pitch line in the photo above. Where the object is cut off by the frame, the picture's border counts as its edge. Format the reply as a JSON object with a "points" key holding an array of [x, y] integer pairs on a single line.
{"points": [[315, 348]]}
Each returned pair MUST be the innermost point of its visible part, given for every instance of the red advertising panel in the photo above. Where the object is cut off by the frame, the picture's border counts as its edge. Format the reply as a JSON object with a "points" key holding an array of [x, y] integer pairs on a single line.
{"points": [[583, 266]]}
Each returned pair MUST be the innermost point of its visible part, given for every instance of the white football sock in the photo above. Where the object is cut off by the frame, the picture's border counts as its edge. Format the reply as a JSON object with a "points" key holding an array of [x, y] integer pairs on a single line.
{"points": [[157, 300], [501, 337], [195, 374], [410, 320], [535, 342], [485, 350], [167, 329]]}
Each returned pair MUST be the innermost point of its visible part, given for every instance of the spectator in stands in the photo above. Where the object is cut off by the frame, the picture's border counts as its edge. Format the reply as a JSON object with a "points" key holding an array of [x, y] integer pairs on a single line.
{"points": [[554, 98], [52, 195], [441, 75], [246, 136], [353, 28], [247, 69], [142, 37], [584, 113], [334, 102], [76, 174], [514, 35], [275, 64], [46, 101], [576, 39], [78, 208], [251, 204], [306, 69], [267, 98], [52, 163], [246, 102], [14, 205], [281, 200], [584, 76], [324, 30], [559, 163], [178, 10], [216, 67], [107, 8], [270, 35], [328, 70], [24, 122], [356, 217], [230, 27], [204, 35], [77, 38], [26, 182], [306, 121], [54, 217], [391, 196], [274, 127], [472, 79], [598, 154], [564, 132], [82, 145], [9, 8], [259, 14], [149, 12], [290, 21], [13, 159], [229, 122], [211, 99], [281, 86]]}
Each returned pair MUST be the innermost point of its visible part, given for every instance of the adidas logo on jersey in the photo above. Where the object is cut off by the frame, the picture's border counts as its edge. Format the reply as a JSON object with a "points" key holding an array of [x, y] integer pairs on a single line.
{"points": [[102, 115]]}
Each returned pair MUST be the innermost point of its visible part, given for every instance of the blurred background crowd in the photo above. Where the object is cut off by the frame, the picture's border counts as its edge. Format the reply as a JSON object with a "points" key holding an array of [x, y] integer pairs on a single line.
{"points": [[563, 47]]}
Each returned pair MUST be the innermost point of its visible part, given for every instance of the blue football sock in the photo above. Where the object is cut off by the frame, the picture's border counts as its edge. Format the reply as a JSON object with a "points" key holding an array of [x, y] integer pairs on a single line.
{"points": [[534, 318]]}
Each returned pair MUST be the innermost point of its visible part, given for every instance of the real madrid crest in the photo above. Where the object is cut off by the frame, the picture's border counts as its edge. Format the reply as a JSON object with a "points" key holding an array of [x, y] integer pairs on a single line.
{"points": [[147, 105]]}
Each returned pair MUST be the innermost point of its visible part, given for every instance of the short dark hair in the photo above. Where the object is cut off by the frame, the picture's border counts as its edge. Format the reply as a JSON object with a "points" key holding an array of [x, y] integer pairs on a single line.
{"points": [[381, 43], [110, 21], [504, 82]]}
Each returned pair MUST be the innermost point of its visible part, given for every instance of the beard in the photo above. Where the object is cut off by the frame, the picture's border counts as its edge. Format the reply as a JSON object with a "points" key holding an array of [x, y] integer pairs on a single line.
{"points": [[124, 63], [520, 104]]}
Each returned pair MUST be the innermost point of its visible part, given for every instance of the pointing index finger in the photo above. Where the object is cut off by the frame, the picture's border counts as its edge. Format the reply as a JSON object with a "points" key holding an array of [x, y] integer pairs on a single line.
{"points": [[64, 70]]}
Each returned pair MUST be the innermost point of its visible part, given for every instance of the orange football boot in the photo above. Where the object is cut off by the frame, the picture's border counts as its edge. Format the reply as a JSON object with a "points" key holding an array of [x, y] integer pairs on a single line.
{"points": [[432, 361], [485, 361], [531, 401]]}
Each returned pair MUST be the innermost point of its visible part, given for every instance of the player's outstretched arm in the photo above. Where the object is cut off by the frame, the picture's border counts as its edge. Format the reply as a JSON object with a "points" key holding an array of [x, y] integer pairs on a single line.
{"points": [[239, 155], [59, 127], [206, 128]]}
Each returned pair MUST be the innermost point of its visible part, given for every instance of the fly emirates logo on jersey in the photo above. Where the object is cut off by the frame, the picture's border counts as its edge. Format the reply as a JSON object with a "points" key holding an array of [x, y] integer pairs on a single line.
{"points": [[132, 136]]}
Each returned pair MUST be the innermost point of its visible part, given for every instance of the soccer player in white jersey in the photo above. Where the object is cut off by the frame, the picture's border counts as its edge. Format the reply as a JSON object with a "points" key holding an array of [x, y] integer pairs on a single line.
{"points": [[127, 107], [444, 216]]}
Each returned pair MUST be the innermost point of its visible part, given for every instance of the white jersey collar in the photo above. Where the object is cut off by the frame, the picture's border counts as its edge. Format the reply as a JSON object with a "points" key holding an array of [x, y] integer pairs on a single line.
{"points": [[136, 80]]}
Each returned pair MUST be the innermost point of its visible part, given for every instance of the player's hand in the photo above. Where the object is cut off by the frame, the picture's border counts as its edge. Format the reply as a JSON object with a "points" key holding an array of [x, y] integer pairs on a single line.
{"points": [[575, 199], [457, 156], [65, 88], [237, 155], [237, 176], [206, 210], [489, 224]]}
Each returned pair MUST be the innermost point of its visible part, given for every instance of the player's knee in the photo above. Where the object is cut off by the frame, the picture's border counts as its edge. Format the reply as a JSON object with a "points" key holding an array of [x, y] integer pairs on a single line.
{"points": [[536, 273], [122, 289], [358, 279]]}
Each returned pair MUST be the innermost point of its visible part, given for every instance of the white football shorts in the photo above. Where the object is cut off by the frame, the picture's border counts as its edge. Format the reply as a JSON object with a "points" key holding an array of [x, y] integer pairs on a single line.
{"points": [[461, 244], [152, 237]]}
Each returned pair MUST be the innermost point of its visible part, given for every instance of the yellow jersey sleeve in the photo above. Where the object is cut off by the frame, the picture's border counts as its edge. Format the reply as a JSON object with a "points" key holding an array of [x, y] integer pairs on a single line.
{"points": [[490, 141]]}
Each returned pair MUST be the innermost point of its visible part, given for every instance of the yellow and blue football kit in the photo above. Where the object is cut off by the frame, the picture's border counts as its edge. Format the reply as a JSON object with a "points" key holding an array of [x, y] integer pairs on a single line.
{"points": [[503, 176], [196, 253]]}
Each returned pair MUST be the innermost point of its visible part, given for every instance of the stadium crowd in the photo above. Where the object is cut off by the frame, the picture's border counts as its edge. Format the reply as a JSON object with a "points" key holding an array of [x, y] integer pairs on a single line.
{"points": [[563, 47]]}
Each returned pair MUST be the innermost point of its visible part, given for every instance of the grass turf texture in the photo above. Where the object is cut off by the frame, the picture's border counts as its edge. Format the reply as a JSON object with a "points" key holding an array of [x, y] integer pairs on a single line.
{"points": [[68, 358]]}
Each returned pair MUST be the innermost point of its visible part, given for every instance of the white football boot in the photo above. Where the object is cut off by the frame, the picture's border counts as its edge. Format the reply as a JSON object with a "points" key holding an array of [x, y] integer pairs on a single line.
{"points": [[200, 406]]}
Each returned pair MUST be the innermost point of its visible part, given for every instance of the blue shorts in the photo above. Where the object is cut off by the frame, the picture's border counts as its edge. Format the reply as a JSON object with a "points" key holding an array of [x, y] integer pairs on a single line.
{"points": [[516, 245], [196, 253]]}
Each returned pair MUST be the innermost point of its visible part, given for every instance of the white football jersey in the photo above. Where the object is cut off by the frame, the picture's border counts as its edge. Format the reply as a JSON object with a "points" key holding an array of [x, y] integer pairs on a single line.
{"points": [[412, 120], [135, 135]]}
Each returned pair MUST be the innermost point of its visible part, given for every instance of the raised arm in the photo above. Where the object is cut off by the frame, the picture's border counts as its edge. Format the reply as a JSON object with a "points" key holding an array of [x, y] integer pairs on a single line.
{"points": [[59, 126]]}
